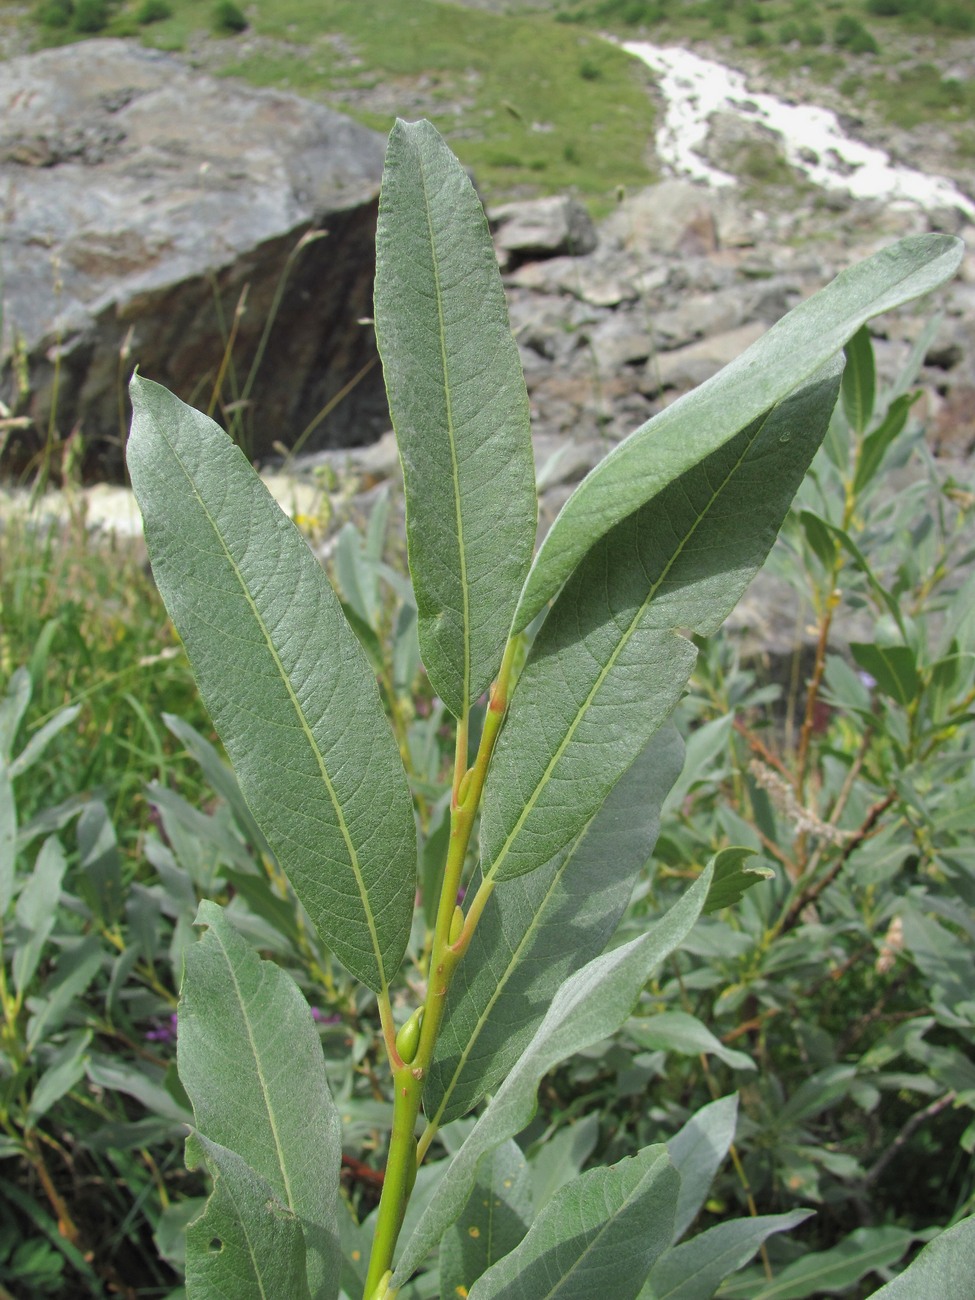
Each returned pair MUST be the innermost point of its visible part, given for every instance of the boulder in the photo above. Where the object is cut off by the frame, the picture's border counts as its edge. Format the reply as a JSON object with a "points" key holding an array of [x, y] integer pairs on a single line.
{"points": [[148, 212], [673, 217], [685, 368], [602, 279], [542, 228]]}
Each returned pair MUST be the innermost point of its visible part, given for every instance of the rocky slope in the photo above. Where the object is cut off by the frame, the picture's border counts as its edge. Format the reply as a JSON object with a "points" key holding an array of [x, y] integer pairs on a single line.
{"points": [[612, 324]]}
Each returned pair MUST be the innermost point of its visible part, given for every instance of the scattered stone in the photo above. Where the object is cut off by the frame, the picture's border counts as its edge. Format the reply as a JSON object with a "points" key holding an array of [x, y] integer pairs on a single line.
{"points": [[601, 279], [619, 341], [672, 217], [542, 228], [742, 147], [687, 367], [679, 281], [953, 432]]}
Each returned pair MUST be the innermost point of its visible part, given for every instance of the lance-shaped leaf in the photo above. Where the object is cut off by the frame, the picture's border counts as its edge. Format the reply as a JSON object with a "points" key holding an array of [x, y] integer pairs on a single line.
{"points": [[13, 706], [944, 1267], [286, 683], [732, 878], [835, 1271], [460, 409], [859, 380], [41, 738], [597, 1237], [536, 930], [101, 869], [591, 1004], [695, 1270], [64, 1068], [691, 429], [697, 1151], [245, 1244], [8, 839], [494, 1220], [679, 1031], [219, 777], [36, 910], [609, 663], [251, 1062]]}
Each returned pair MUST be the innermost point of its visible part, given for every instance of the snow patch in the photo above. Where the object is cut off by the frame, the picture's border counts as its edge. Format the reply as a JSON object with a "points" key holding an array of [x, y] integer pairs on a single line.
{"points": [[813, 140]]}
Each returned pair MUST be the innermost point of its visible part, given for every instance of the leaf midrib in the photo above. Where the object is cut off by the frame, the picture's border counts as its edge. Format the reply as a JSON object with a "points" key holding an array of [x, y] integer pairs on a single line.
{"points": [[265, 1088], [623, 642], [625, 1204], [303, 721], [252, 1250], [803, 364], [452, 444]]}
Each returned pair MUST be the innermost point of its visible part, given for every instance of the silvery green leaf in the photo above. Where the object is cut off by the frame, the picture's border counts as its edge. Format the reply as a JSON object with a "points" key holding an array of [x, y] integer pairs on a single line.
{"points": [[101, 870], [284, 679], [13, 706], [859, 380], [246, 1244], [697, 1151], [945, 1267], [690, 430], [590, 1004], [78, 964], [8, 839], [219, 776], [460, 410], [732, 878], [494, 1220], [251, 1061], [610, 661], [37, 905], [835, 1271], [598, 1236], [65, 1067], [679, 1031], [41, 738], [695, 1270], [536, 930]]}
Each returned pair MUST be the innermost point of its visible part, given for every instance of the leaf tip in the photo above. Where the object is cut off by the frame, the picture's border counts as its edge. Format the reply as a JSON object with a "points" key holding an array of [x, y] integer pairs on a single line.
{"points": [[731, 878]]}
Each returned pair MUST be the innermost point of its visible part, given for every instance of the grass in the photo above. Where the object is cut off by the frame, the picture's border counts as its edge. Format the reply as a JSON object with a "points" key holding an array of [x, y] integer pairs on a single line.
{"points": [[529, 96], [84, 616], [919, 94], [787, 37], [546, 107]]}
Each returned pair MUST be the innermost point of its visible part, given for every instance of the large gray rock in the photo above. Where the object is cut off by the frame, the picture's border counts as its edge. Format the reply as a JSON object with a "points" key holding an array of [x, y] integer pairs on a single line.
{"points": [[141, 203], [675, 217], [542, 228]]}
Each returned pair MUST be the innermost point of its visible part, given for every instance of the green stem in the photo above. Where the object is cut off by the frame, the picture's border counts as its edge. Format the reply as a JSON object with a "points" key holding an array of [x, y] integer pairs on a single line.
{"points": [[409, 1077], [400, 1174]]}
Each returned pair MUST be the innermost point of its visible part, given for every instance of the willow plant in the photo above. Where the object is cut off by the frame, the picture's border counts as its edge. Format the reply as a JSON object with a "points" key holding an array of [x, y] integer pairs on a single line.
{"points": [[582, 650]]}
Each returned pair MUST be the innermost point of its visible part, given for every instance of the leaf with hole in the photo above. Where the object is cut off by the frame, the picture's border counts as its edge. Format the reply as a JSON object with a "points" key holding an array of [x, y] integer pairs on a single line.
{"points": [[251, 1061]]}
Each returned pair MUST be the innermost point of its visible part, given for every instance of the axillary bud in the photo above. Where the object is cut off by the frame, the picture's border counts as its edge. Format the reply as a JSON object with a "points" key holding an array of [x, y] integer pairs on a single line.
{"points": [[408, 1037]]}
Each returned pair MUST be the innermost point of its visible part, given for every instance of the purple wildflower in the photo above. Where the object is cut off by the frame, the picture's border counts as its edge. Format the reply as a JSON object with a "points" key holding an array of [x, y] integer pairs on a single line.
{"points": [[163, 1031], [320, 1018]]}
